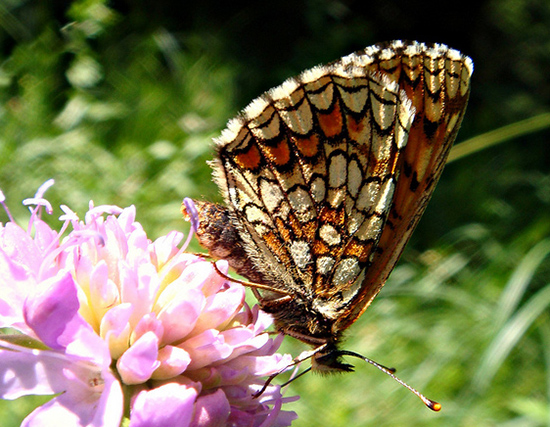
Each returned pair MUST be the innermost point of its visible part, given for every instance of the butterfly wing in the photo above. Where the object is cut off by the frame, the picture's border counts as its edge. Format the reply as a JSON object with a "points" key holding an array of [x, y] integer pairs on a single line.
{"points": [[326, 176], [309, 171], [437, 81]]}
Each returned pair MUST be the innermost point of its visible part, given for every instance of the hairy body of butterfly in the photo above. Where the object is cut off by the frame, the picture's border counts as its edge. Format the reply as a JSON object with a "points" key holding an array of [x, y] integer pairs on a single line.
{"points": [[326, 176]]}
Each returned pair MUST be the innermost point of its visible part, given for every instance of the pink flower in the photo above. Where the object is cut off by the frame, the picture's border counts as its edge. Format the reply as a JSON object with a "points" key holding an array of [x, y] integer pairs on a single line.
{"points": [[121, 327]]}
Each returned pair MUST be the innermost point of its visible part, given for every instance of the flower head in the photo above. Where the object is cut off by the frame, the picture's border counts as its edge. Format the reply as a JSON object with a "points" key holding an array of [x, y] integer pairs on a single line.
{"points": [[119, 326]]}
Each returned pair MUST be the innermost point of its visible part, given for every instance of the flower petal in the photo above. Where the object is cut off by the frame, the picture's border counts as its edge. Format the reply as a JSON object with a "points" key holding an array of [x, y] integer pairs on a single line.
{"points": [[44, 236], [103, 409], [147, 323], [213, 281], [31, 372], [51, 312], [169, 405], [211, 410], [137, 363], [180, 313], [115, 329], [206, 348], [165, 247], [20, 247], [86, 345], [173, 361], [16, 284], [104, 293], [220, 309]]}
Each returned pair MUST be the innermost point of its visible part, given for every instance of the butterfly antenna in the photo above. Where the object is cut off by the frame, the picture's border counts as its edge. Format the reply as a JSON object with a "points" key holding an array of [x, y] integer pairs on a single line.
{"points": [[432, 404]]}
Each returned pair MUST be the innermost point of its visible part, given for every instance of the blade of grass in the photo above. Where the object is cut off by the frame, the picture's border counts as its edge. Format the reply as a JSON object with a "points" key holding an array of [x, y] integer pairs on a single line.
{"points": [[521, 277], [500, 135], [508, 337], [545, 335]]}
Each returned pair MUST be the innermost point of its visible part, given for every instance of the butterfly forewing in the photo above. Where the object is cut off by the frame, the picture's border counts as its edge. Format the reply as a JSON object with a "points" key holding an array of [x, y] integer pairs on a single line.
{"points": [[326, 176], [437, 81]]}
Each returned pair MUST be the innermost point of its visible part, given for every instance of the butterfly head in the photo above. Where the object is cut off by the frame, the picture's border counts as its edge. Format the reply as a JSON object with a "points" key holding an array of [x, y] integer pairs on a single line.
{"points": [[329, 360]]}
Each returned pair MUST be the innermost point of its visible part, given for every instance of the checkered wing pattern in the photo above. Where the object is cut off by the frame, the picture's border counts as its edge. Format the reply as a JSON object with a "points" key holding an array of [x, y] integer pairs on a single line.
{"points": [[310, 170], [437, 81], [326, 176]]}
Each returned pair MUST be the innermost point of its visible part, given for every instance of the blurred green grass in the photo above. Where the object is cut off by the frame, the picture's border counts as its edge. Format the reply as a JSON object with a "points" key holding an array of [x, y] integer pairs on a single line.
{"points": [[119, 105]]}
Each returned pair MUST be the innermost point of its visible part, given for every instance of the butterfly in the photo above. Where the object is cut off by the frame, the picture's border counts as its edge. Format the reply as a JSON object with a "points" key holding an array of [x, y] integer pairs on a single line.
{"points": [[325, 178]]}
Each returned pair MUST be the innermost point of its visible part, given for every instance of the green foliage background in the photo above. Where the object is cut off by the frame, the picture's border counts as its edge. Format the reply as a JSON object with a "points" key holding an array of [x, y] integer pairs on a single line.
{"points": [[118, 101]]}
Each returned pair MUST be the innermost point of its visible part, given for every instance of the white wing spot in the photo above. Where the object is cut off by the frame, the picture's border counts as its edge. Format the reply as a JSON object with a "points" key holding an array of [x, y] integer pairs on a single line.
{"points": [[347, 271], [337, 171], [271, 195], [301, 204], [330, 235], [301, 254], [318, 189], [325, 264]]}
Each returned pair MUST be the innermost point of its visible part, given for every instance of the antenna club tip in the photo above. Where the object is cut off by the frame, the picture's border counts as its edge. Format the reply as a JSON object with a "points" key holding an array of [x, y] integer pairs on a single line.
{"points": [[434, 406]]}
